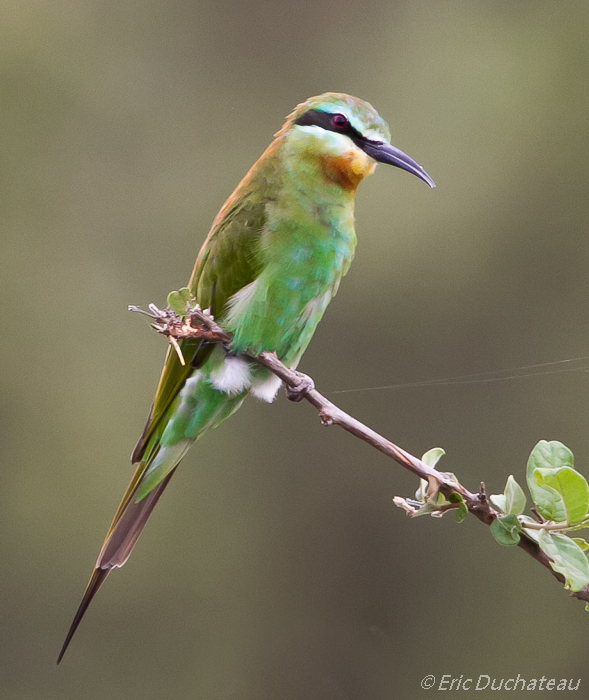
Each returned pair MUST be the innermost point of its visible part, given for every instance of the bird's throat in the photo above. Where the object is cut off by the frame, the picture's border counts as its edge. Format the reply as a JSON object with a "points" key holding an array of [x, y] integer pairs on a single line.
{"points": [[347, 170]]}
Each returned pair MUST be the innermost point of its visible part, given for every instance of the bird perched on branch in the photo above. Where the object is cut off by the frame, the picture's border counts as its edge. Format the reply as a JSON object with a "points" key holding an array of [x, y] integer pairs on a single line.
{"points": [[269, 267]]}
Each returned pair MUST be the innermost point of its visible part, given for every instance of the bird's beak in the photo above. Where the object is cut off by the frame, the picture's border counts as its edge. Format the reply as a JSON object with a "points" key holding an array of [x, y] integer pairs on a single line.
{"points": [[384, 153]]}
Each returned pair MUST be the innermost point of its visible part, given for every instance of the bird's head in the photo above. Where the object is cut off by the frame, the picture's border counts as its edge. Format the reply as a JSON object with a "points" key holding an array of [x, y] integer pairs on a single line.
{"points": [[346, 138]]}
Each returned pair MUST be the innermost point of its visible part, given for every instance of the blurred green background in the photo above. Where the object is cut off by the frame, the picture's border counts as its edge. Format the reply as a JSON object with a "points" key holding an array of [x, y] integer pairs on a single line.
{"points": [[277, 565]]}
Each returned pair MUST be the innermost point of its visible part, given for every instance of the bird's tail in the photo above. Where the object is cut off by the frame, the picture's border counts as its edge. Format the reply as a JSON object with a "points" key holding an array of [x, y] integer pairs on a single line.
{"points": [[197, 407], [129, 521]]}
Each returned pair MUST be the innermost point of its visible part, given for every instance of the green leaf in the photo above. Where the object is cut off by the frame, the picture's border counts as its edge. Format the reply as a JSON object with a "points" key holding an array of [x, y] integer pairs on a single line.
{"points": [[177, 303], [513, 501], [432, 506], [583, 544], [506, 530], [515, 498], [461, 512], [571, 486], [499, 501], [185, 294], [548, 455], [421, 493], [567, 559], [432, 457]]}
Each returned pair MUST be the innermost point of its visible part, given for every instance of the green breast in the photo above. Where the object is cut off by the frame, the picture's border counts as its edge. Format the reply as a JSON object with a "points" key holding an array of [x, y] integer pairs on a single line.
{"points": [[306, 250]]}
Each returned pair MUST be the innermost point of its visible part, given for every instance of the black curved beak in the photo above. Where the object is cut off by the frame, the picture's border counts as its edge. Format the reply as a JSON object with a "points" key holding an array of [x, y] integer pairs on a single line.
{"points": [[384, 153]]}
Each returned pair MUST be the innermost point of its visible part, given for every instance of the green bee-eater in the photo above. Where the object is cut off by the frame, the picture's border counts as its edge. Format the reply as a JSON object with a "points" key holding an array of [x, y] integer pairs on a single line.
{"points": [[269, 267]]}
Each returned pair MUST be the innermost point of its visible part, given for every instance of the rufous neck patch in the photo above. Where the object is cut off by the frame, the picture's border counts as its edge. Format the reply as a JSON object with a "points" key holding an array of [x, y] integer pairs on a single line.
{"points": [[348, 170]]}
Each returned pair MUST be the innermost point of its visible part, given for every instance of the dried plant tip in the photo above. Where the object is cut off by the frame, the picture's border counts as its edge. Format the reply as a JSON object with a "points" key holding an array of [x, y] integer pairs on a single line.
{"points": [[403, 503], [178, 350], [139, 310]]}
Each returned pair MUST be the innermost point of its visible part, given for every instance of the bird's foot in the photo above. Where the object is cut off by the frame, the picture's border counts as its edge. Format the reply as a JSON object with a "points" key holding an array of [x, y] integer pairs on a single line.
{"points": [[304, 385]]}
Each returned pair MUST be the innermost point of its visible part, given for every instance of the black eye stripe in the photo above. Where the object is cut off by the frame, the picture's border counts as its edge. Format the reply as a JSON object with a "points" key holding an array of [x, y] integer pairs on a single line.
{"points": [[316, 117]]}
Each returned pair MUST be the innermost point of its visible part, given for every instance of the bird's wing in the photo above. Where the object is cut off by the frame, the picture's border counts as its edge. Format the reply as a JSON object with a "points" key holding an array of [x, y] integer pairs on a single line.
{"points": [[228, 261]]}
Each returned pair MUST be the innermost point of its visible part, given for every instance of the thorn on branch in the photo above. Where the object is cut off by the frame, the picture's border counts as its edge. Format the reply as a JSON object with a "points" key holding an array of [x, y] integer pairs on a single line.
{"points": [[433, 487], [325, 419]]}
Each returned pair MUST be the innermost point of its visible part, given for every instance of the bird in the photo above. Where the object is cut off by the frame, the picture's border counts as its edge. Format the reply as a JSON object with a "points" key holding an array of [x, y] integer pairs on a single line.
{"points": [[271, 263]]}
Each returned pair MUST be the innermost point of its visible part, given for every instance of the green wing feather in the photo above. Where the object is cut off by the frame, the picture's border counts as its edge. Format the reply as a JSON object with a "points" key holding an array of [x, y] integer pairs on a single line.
{"points": [[228, 261]]}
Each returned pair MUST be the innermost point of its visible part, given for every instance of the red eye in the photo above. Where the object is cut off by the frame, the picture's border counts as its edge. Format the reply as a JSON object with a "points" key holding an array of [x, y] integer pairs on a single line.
{"points": [[339, 121]]}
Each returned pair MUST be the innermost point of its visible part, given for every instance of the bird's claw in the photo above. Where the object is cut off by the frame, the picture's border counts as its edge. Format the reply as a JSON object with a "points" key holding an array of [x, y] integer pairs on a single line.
{"points": [[304, 385]]}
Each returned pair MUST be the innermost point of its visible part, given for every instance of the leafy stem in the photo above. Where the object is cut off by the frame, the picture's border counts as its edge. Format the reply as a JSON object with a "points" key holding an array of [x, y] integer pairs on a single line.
{"points": [[559, 492], [553, 527]]}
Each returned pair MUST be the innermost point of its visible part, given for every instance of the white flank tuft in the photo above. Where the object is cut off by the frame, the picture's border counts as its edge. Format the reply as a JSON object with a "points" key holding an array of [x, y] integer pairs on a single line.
{"points": [[266, 389], [232, 377], [239, 302]]}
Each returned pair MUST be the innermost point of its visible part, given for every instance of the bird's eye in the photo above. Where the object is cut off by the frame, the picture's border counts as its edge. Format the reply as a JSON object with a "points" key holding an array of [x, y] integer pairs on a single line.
{"points": [[339, 121]]}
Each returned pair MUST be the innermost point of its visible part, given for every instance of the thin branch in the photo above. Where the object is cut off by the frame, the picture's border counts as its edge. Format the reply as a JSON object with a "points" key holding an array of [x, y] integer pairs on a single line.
{"points": [[477, 504], [200, 324]]}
